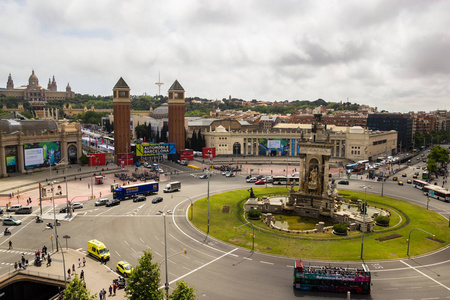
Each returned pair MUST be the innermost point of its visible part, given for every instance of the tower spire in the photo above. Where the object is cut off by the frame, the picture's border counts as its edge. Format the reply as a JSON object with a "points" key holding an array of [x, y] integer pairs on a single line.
{"points": [[159, 83]]}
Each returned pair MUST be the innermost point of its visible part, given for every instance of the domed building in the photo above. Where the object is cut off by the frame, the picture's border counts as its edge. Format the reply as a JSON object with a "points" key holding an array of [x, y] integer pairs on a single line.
{"points": [[34, 93]]}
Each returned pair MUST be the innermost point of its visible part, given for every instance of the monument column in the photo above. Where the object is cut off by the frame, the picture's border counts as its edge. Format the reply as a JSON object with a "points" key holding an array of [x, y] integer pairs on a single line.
{"points": [[3, 172], [176, 116], [121, 109]]}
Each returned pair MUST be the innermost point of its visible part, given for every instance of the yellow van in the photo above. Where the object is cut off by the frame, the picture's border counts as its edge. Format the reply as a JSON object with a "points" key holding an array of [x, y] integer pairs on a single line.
{"points": [[98, 250]]}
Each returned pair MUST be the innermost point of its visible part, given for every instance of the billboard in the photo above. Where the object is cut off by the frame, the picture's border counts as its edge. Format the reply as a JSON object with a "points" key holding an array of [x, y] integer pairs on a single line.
{"points": [[155, 149], [10, 161], [206, 152], [38, 155], [124, 159], [187, 154], [265, 145], [97, 159]]}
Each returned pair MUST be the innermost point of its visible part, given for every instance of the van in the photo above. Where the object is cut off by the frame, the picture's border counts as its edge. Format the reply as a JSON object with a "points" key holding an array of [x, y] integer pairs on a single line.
{"points": [[98, 250], [14, 207], [24, 210]]}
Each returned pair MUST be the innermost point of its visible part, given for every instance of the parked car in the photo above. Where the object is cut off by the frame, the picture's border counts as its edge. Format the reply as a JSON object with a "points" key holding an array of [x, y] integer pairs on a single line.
{"points": [[269, 179], [101, 201], [230, 174], [248, 176], [157, 199], [260, 182], [112, 202], [140, 198], [11, 221], [346, 182], [252, 180], [204, 176]]}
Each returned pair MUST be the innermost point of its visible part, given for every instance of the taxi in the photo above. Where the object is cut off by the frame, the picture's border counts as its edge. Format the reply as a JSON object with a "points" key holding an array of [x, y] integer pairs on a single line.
{"points": [[400, 183], [409, 181], [124, 268], [395, 178], [415, 176]]}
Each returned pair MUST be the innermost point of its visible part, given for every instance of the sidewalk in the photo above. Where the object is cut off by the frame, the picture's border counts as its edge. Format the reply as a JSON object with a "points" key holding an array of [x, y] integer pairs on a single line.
{"points": [[97, 276]]}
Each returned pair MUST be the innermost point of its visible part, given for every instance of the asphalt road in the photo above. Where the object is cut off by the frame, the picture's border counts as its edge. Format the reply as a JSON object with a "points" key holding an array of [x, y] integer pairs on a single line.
{"points": [[218, 270]]}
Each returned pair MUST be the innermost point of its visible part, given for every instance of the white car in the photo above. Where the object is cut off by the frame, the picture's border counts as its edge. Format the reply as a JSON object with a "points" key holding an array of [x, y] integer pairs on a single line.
{"points": [[76, 205], [252, 180]]}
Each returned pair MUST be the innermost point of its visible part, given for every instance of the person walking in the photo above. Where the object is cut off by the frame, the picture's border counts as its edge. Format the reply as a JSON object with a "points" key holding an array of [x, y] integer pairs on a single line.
{"points": [[110, 290], [10, 244], [68, 273], [82, 275], [79, 263], [100, 295], [49, 260], [114, 288], [73, 268], [84, 261]]}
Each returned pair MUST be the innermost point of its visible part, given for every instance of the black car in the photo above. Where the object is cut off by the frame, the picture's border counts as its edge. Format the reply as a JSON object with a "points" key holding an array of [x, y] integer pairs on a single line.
{"points": [[343, 182], [157, 199], [139, 198], [112, 202]]}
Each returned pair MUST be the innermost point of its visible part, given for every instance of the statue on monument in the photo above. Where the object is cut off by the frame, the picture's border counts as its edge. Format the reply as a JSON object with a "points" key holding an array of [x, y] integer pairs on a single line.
{"points": [[252, 194], [313, 176]]}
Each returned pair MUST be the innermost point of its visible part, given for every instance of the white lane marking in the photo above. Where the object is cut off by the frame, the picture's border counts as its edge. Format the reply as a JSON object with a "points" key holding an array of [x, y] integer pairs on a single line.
{"points": [[266, 262], [157, 253], [415, 269], [247, 258], [201, 267], [142, 241], [126, 243], [390, 289], [133, 250], [424, 266], [205, 254], [117, 253], [290, 266], [430, 298]]}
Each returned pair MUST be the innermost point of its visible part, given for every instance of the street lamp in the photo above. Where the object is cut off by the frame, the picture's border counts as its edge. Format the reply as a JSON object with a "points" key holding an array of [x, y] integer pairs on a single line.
{"points": [[409, 237], [54, 215], [165, 255], [192, 204], [209, 170], [364, 212], [64, 261]]}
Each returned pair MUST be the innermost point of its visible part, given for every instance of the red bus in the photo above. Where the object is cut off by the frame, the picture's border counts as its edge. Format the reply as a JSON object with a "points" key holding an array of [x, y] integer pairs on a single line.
{"points": [[332, 279]]}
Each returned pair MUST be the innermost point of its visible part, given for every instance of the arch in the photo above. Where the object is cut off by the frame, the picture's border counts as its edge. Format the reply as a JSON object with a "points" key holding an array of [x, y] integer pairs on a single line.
{"points": [[236, 148], [72, 154]]}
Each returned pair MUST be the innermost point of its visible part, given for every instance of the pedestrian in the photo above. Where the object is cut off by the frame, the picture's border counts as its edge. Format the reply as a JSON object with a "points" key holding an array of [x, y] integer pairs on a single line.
{"points": [[100, 294], [68, 272], [79, 263], [82, 275], [110, 290], [49, 260], [104, 294], [15, 265], [89, 185], [73, 268], [100, 194], [10, 245], [84, 261], [44, 250], [114, 288]]}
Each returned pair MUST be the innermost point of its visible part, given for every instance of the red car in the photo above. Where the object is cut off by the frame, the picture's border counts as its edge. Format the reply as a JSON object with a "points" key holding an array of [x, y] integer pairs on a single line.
{"points": [[261, 181]]}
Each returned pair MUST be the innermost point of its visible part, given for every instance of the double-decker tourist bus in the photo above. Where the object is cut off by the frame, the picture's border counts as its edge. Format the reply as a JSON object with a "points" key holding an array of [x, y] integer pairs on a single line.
{"points": [[356, 167], [285, 180], [436, 192], [332, 279], [419, 184]]}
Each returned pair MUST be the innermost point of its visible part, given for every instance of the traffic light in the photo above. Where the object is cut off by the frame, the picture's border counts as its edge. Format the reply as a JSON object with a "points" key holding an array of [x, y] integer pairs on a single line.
{"points": [[235, 229], [184, 251], [51, 237]]}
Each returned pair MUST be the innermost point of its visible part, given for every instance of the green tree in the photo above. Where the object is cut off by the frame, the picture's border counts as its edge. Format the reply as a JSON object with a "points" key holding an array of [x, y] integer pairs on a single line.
{"points": [[432, 167], [76, 291], [144, 281], [439, 154], [183, 292]]}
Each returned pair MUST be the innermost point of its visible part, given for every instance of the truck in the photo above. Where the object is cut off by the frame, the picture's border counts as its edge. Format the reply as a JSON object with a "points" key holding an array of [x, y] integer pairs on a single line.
{"points": [[172, 187], [132, 190]]}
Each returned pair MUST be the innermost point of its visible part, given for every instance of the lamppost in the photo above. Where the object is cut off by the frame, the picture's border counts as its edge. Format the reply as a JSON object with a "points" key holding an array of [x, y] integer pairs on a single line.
{"points": [[192, 204], [209, 170], [409, 237], [64, 261], [54, 215], [166, 285], [364, 212]]}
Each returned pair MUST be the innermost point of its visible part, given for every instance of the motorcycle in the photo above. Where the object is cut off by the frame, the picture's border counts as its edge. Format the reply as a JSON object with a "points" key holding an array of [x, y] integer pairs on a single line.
{"points": [[39, 220], [7, 232], [120, 282]]}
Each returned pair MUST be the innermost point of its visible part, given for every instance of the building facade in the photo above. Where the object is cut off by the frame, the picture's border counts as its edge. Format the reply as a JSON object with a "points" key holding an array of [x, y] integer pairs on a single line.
{"points": [[34, 93], [402, 123]]}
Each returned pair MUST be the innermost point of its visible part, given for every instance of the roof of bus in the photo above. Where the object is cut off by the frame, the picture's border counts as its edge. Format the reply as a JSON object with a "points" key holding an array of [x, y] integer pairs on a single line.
{"points": [[138, 184]]}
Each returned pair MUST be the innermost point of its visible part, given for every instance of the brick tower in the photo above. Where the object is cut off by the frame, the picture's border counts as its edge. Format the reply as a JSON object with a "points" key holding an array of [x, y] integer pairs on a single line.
{"points": [[176, 115], [121, 106]]}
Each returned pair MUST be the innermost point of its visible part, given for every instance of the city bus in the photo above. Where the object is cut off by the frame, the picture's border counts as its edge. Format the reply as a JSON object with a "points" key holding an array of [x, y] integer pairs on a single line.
{"points": [[425, 175], [436, 192], [419, 184], [285, 180], [332, 279], [356, 167]]}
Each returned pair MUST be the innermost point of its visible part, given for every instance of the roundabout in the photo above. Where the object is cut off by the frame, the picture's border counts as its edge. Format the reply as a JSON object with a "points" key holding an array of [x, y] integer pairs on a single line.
{"points": [[383, 243]]}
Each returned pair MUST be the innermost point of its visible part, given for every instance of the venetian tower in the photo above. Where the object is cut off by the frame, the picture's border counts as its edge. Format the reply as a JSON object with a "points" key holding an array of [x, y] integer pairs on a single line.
{"points": [[121, 110], [176, 115]]}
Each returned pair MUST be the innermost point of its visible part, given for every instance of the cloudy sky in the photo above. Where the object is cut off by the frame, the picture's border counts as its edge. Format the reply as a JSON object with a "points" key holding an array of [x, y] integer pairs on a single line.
{"points": [[390, 54]]}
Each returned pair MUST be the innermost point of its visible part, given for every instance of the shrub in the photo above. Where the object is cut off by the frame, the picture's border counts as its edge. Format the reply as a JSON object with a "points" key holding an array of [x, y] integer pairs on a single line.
{"points": [[354, 199], [84, 159], [254, 214], [340, 228], [382, 220]]}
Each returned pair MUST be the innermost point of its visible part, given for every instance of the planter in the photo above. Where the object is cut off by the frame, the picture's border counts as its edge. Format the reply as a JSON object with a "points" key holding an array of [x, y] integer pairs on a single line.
{"points": [[339, 233], [382, 225], [254, 218]]}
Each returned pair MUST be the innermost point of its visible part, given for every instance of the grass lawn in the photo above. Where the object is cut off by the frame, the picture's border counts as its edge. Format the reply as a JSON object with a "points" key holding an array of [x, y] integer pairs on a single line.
{"points": [[404, 217]]}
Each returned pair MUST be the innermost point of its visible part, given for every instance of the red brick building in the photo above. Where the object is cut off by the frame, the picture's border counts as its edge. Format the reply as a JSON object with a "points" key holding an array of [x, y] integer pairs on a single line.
{"points": [[121, 109]]}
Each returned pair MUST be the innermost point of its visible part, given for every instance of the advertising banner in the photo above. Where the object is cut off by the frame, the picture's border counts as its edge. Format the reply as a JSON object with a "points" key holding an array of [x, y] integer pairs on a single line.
{"points": [[97, 159], [187, 154], [40, 155], [155, 149], [10, 161], [124, 159], [272, 145], [206, 152]]}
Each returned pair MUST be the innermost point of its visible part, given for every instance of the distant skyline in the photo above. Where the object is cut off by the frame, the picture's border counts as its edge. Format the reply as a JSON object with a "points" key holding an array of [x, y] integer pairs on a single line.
{"points": [[388, 54]]}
